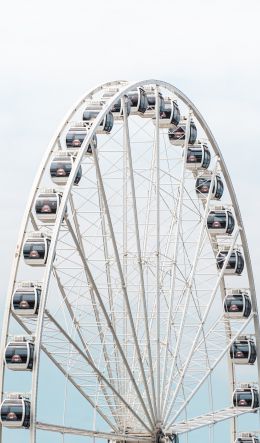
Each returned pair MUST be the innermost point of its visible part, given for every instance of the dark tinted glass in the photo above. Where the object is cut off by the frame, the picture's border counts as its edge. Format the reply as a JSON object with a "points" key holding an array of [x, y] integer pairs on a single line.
{"points": [[243, 398], [176, 115], [133, 97], [11, 412], [231, 223], [234, 303], [193, 133], [46, 205], [217, 220], [207, 158], [57, 168], [178, 134], [24, 300], [109, 120], [194, 156], [16, 355], [231, 262], [75, 139], [143, 102], [33, 250], [79, 175], [220, 187], [203, 185], [117, 106], [239, 350], [90, 115], [240, 262]]}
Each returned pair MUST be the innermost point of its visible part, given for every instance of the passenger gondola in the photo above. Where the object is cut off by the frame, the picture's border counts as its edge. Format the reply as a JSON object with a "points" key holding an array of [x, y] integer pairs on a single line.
{"points": [[90, 114], [117, 108], [138, 101], [26, 299], [246, 397], [36, 249], [203, 185], [15, 412], [235, 263], [170, 115], [47, 205], [151, 103], [198, 157], [19, 354], [243, 351], [177, 136], [246, 437], [220, 221], [76, 136], [61, 167], [237, 304]]}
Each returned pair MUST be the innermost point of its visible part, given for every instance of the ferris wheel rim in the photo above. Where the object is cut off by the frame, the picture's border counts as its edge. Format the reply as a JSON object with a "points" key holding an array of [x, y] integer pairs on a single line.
{"points": [[68, 188]]}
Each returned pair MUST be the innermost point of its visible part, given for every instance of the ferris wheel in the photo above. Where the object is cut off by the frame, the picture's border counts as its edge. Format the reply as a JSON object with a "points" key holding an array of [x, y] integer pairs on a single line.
{"points": [[131, 313]]}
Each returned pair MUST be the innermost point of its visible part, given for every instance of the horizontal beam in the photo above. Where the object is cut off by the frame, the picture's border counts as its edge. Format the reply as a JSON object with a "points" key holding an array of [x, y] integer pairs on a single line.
{"points": [[89, 433], [208, 420]]}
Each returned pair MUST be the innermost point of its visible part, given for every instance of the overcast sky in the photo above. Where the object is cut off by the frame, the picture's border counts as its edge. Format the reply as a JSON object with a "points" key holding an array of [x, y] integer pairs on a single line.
{"points": [[52, 51]]}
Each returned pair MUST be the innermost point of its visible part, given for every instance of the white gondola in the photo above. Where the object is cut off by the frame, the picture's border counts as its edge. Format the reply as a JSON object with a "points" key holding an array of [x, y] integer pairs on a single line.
{"points": [[198, 156], [246, 437], [237, 304], [15, 411], [235, 265], [26, 299], [91, 112], [203, 185], [151, 102], [47, 205], [60, 168], [36, 249], [177, 136], [118, 107], [243, 351], [246, 396], [220, 221], [138, 101], [170, 116], [77, 135], [19, 354]]}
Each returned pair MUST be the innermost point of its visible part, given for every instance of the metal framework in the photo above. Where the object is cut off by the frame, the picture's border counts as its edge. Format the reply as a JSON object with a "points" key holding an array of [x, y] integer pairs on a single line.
{"points": [[131, 313]]}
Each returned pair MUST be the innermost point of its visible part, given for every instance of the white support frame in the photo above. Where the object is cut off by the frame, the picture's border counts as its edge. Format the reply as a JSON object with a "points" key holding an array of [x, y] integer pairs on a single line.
{"points": [[49, 267]]}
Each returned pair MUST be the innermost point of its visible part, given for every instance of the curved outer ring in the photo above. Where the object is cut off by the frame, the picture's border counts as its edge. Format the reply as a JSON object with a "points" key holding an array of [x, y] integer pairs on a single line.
{"points": [[60, 216]]}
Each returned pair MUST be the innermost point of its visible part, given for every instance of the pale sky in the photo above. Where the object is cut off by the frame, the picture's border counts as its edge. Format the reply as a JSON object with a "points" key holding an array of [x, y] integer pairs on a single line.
{"points": [[52, 51]]}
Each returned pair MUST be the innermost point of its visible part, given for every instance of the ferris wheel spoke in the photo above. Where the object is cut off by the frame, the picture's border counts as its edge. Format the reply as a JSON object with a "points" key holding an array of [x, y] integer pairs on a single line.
{"points": [[194, 386], [208, 419], [174, 270], [200, 328], [107, 317], [122, 280], [61, 368], [93, 302], [97, 371], [139, 257], [187, 290], [110, 436], [76, 324], [119, 374]]}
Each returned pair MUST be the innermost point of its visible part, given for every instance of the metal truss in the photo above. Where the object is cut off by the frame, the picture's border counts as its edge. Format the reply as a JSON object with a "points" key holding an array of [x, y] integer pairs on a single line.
{"points": [[131, 310]]}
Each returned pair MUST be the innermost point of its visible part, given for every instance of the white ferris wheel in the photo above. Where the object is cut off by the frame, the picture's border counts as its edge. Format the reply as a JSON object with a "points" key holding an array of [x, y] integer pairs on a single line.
{"points": [[131, 314]]}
